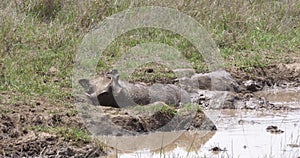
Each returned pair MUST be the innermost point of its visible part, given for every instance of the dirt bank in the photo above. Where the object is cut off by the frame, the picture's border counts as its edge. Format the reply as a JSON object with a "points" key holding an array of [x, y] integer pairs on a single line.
{"points": [[282, 75], [43, 129]]}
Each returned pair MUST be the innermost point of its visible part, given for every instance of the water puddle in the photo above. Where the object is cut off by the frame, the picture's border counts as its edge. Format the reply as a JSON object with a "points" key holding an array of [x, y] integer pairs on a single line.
{"points": [[287, 97], [240, 133], [244, 134]]}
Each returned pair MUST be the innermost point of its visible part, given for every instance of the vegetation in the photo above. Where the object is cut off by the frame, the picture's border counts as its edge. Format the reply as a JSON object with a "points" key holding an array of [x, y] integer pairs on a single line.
{"points": [[158, 107], [153, 72], [40, 36], [168, 110], [69, 134]]}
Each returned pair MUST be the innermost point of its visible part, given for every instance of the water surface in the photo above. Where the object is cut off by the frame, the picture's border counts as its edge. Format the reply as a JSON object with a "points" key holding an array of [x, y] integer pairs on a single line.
{"points": [[241, 133]]}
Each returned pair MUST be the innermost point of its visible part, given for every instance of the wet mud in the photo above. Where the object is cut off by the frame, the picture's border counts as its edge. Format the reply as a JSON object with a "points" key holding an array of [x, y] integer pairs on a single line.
{"points": [[20, 137]]}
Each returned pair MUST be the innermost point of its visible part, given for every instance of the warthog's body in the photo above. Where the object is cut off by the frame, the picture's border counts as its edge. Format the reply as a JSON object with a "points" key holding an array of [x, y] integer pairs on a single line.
{"points": [[108, 90]]}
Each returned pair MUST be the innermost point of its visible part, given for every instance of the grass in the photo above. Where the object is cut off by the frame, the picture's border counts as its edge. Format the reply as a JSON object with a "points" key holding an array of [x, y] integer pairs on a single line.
{"points": [[37, 35], [190, 108], [154, 108], [69, 134], [152, 72]]}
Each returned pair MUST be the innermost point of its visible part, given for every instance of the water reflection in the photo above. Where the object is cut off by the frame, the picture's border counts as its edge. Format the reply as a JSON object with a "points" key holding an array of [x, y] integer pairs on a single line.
{"points": [[251, 139], [286, 97], [159, 142], [240, 133], [247, 139]]}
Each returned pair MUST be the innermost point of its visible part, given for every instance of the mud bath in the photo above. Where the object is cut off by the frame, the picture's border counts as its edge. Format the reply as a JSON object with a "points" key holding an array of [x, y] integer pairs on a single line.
{"points": [[258, 116], [241, 133]]}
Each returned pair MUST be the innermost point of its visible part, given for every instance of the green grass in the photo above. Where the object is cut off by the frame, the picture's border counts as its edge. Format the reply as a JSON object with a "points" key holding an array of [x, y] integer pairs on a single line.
{"points": [[69, 134], [36, 35], [152, 72], [154, 108]]}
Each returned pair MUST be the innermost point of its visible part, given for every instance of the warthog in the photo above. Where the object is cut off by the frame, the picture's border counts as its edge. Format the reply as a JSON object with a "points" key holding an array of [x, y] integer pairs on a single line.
{"points": [[108, 90]]}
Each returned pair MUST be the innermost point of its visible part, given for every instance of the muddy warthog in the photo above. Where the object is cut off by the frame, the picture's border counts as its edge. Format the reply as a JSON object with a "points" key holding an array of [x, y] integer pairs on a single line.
{"points": [[108, 90]]}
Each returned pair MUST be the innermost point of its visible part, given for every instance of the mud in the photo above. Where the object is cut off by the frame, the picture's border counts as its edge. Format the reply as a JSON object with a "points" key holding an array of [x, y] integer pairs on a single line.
{"points": [[19, 136], [282, 75], [275, 87], [215, 90], [22, 134], [241, 133], [140, 120]]}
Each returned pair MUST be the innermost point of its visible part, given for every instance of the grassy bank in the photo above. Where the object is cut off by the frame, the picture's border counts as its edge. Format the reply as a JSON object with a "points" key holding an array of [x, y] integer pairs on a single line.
{"points": [[39, 38]]}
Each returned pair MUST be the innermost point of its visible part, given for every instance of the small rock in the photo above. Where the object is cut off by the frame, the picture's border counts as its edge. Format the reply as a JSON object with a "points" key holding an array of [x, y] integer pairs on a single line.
{"points": [[274, 129], [253, 86], [217, 150]]}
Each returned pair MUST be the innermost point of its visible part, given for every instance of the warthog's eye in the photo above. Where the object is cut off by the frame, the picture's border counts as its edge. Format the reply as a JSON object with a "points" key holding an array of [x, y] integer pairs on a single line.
{"points": [[114, 75]]}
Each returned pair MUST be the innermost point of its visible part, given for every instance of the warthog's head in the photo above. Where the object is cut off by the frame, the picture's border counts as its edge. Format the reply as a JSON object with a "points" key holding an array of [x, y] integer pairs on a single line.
{"points": [[100, 89]]}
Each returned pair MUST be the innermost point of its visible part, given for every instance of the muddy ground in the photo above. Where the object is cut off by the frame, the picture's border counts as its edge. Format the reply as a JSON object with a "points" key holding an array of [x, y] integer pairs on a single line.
{"points": [[40, 128], [282, 75]]}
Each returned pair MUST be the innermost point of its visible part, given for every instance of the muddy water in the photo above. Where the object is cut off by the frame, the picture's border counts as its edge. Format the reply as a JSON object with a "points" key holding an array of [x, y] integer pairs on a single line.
{"points": [[286, 97], [244, 134], [240, 133]]}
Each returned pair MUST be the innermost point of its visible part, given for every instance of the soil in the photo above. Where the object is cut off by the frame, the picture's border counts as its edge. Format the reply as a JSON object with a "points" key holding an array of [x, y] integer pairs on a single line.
{"points": [[20, 135], [273, 75], [19, 138], [140, 120]]}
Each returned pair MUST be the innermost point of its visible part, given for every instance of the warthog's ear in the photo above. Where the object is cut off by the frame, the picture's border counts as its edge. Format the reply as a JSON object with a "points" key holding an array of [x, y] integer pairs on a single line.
{"points": [[85, 83]]}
